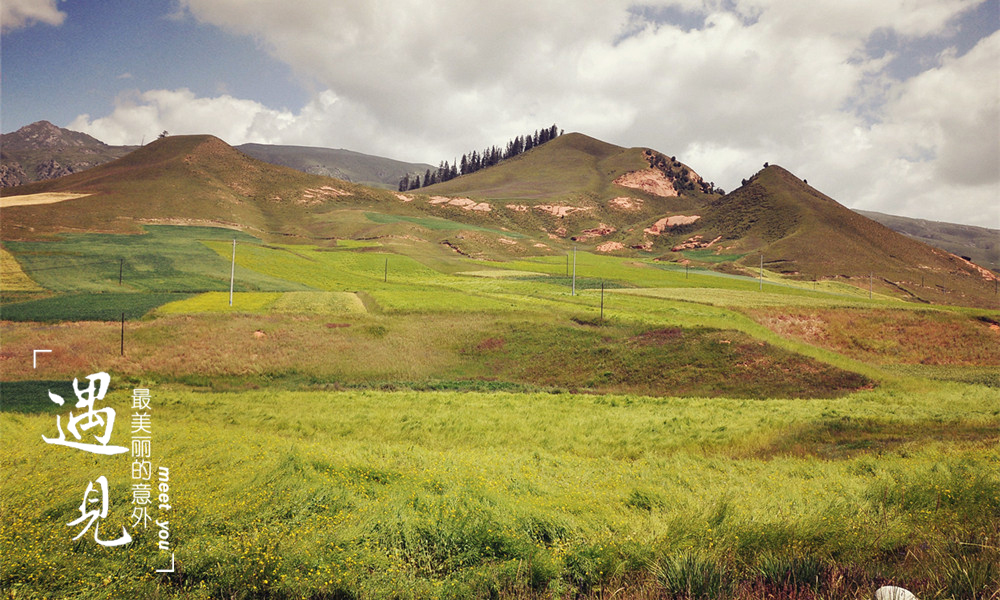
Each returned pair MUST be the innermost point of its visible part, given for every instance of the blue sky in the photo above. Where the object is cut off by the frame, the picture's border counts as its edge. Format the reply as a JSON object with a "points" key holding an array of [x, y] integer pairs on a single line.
{"points": [[891, 105], [104, 48]]}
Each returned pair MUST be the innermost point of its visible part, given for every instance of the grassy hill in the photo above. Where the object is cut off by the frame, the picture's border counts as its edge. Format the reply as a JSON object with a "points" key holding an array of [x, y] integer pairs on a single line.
{"points": [[805, 234], [365, 169], [184, 180]]}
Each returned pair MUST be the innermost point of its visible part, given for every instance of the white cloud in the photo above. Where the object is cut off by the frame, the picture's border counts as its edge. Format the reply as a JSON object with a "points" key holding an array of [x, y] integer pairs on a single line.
{"points": [[760, 80], [18, 14]]}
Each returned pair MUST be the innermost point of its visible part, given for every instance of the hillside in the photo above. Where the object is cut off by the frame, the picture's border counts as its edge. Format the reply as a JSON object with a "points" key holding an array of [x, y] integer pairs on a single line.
{"points": [[981, 245], [196, 179], [356, 167], [574, 191], [584, 190], [41, 151], [801, 232], [200, 180], [805, 234]]}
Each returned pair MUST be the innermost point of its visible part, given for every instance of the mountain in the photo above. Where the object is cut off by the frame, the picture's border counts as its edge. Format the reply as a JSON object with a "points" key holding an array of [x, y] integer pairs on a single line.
{"points": [[185, 179], [801, 233], [43, 151], [573, 166], [201, 180], [981, 245], [622, 200], [579, 189], [356, 167], [573, 191]]}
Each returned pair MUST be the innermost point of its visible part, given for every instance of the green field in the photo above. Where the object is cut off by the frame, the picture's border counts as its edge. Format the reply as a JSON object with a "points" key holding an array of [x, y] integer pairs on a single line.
{"points": [[387, 419], [434, 494]]}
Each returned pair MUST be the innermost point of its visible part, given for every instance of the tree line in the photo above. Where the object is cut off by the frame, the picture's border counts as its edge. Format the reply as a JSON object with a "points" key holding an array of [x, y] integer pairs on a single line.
{"points": [[474, 161]]}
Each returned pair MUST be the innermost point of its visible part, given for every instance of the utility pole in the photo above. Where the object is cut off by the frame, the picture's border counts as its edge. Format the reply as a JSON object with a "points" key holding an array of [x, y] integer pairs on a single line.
{"points": [[232, 274], [574, 270]]}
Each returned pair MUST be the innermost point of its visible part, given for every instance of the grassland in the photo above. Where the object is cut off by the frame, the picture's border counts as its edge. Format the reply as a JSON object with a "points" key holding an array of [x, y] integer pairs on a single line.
{"points": [[447, 495], [370, 420]]}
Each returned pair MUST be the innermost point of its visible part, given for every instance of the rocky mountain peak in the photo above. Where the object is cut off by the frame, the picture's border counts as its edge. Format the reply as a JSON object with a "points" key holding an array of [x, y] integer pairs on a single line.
{"points": [[44, 135]]}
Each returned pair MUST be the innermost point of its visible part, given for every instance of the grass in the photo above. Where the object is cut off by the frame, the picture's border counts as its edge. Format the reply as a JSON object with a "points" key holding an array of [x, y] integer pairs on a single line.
{"points": [[670, 361], [267, 302], [372, 494], [164, 259], [927, 337], [12, 277], [462, 350], [710, 256], [351, 431], [108, 306], [433, 223]]}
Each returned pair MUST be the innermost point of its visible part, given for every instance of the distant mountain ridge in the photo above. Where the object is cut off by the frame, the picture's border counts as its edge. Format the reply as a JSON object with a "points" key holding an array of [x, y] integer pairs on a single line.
{"points": [[343, 164], [981, 245], [42, 151]]}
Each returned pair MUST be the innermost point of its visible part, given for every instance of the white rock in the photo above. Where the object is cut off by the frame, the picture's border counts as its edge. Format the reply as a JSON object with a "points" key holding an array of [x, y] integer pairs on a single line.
{"points": [[891, 592]]}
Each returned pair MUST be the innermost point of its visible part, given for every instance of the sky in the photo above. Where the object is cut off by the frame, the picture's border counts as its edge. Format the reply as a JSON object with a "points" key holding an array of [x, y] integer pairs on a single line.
{"points": [[888, 105]]}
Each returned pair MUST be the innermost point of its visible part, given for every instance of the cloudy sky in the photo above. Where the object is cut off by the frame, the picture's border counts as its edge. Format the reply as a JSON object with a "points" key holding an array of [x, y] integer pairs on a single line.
{"points": [[887, 105]]}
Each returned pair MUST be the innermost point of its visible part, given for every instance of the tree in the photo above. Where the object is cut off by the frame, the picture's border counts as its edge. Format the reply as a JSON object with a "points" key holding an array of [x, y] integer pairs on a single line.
{"points": [[404, 183], [162, 135], [428, 178]]}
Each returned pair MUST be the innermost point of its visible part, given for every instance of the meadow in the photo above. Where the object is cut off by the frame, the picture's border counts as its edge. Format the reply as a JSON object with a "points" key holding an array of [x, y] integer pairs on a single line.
{"points": [[369, 420], [369, 494]]}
